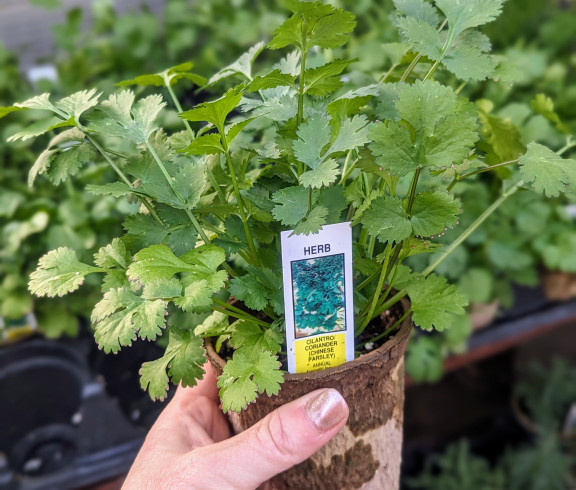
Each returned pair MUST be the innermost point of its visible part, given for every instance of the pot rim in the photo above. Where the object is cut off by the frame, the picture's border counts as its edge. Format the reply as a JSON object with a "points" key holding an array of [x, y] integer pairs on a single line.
{"points": [[390, 346]]}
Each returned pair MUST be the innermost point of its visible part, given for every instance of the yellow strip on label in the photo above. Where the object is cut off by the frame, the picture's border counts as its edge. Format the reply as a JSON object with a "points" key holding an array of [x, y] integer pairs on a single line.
{"points": [[320, 352]]}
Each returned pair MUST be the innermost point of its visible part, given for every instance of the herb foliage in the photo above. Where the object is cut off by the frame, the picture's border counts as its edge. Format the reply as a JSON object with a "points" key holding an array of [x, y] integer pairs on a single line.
{"points": [[296, 145]]}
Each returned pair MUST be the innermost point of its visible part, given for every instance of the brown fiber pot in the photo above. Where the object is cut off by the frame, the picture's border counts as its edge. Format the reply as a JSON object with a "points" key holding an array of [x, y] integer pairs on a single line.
{"points": [[367, 451]]}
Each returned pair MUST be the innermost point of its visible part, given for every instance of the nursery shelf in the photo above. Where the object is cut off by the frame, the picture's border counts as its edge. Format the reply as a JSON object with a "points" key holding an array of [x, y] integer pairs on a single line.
{"points": [[513, 330]]}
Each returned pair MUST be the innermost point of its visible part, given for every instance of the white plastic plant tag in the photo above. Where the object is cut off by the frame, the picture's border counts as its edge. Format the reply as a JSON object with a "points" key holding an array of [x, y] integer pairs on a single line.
{"points": [[317, 273]]}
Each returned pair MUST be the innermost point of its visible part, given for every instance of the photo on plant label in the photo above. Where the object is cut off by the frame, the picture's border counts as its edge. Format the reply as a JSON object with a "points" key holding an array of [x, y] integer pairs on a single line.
{"points": [[318, 292]]}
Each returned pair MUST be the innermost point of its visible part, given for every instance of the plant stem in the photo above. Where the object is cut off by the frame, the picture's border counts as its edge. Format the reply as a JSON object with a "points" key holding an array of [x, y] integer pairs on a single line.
{"points": [[123, 177], [466, 233], [412, 192], [569, 144], [379, 287], [478, 171], [237, 313], [418, 57], [300, 114], [178, 107], [239, 199], [192, 218]]}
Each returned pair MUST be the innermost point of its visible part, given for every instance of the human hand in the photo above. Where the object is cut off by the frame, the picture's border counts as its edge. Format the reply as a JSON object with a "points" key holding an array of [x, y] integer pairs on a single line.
{"points": [[190, 446]]}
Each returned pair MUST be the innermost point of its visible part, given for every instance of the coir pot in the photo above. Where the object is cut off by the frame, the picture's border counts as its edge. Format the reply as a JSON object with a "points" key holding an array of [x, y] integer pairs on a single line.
{"points": [[366, 453]]}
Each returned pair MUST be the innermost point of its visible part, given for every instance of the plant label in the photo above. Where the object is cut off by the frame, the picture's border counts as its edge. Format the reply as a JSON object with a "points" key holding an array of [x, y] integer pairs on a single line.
{"points": [[317, 274]]}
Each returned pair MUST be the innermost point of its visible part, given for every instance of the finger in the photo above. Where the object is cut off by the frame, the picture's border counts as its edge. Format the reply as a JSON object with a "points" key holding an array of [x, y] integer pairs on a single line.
{"points": [[285, 437], [205, 387]]}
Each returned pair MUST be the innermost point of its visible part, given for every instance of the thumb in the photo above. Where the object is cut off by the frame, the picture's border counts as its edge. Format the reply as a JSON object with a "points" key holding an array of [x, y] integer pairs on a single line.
{"points": [[285, 437]]}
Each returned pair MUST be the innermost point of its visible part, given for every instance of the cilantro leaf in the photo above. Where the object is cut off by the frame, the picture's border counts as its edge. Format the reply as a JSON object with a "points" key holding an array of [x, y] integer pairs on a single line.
{"points": [[251, 335], [315, 220], [434, 301], [184, 358], [353, 134], [120, 117], [257, 288], [162, 289], [249, 372], [441, 131], [166, 77], [197, 296], [387, 220], [216, 111], [271, 80], [323, 175], [156, 262], [291, 205], [313, 136], [547, 172], [121, 315], [113, 255], [314, 24], [207, 144], [68, 161], [463, 15], [433, 212], [419, 10], [217, 323], [324, 79], [76, 104], [59, 272], [543, 105]]}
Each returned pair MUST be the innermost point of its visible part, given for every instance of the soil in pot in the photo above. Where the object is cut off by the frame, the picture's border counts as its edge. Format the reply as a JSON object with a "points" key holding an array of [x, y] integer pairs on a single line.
{"points": [[367, 451]]}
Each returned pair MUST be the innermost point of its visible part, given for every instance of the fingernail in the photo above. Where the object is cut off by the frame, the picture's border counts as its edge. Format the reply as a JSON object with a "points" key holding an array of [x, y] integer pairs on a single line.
{"points": [[327, 409]]}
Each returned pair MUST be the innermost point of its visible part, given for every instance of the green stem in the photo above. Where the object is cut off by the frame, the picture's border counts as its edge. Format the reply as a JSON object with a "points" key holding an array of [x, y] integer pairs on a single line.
{"points": [[479, 171], [239, 314], [192, 218], [178, 108], [379, 287], [418, 57], [348, 172], [239, 199], [300, 114], [447, 44], [466, 233], [412, 192], [569, 144]]}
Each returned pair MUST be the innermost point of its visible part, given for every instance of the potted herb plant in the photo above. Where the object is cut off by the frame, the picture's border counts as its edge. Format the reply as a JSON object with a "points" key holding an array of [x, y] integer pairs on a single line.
{"points": [[296, 146]]}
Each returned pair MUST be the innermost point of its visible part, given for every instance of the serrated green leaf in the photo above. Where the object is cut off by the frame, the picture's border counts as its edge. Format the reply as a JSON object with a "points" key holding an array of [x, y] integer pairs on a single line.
{"points": [[41, 165], [434, 301], [325, 79], [433, 212], [154, 379], [546, 171], [352, 135], [323, 175], [208, 257], [469, 63], [442, 130], [248, 373], [313, 136], [197, 297], [78, 103], [216, 111], [464, 14], [217, 323], [113, 255], [69, 160], [122, 315], [424, 37], [387, 220], [40, 127], [236, 129], [162, 289], [419, 10], [291, 205], [156, 262], [314, 24], [315, 220], [59, 272], [250, 291], [188, 357], [207, 144], [41, 101], [167, 77], [122, 118], [273, 79], [248, 334]]}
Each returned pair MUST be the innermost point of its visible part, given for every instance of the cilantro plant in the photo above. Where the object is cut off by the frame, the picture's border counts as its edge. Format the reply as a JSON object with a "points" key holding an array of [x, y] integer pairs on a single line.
{"points": [[296, 145]]}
